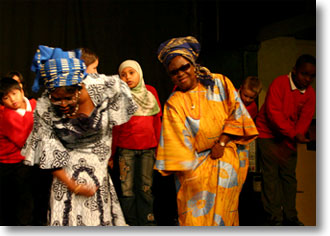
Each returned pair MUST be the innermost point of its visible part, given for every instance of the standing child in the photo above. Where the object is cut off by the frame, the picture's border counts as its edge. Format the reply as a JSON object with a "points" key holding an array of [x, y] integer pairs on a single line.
{"points": [[248, 92], [283, 122], [136, 143], [16, 121]]}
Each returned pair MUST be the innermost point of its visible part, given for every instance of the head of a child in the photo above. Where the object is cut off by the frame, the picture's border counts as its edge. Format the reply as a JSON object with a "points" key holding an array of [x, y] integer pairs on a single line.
{"points": [[90, 59], [304, 72], [11, 94], [16, 76], [250, 89], [130, 72]]}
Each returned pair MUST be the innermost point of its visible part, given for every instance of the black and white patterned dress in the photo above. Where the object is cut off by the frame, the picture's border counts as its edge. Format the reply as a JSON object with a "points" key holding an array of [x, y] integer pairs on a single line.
{"points": [[82, 147]]}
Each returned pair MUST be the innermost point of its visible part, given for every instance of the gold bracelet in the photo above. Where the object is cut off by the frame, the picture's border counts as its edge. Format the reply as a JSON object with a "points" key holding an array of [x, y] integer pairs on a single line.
{"points": [[77, 189]]}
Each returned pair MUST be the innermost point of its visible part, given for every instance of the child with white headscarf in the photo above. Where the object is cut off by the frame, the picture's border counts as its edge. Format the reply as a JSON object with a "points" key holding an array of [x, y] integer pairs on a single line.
{"points": [[136, 143]]}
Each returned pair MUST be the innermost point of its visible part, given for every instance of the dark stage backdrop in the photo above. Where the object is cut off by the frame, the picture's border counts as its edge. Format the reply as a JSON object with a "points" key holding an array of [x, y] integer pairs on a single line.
{"points": [[133, 29], [115, 30]]}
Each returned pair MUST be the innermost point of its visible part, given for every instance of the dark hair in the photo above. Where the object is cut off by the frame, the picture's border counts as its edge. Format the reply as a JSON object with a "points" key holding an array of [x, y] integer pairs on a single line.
{"points": [[7, 84], [11, 74], [305, 58], [88, 56]]}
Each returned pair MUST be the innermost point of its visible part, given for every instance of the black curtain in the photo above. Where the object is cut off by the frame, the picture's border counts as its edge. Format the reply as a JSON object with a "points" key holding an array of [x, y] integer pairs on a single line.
{"points": [[115, 30], [133, 29]]}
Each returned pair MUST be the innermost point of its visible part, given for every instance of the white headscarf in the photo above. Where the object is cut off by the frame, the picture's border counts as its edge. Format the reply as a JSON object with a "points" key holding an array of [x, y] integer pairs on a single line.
{"points": [[146, 101]]}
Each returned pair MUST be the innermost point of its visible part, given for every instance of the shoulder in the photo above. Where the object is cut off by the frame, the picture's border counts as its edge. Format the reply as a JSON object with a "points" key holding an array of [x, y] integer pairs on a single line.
{"points": [[174, 98], [219, 76], [33, 103], [310, 91], [281, 80], [152, 90], [9, 115]]}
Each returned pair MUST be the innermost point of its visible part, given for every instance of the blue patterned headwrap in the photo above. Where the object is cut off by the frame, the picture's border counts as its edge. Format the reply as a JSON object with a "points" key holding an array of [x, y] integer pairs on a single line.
{"points": [[187, 47], [55, 67]]}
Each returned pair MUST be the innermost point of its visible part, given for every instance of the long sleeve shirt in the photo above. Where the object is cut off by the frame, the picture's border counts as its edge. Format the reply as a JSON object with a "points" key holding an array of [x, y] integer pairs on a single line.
{"points": [[15, 127], [286, 111], [140, 132]]}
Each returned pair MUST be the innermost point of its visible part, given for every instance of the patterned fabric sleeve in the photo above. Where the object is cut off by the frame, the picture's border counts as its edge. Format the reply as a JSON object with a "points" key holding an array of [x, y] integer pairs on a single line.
{"points": [[42, 146], [114, 92], [176, 146], [239, 123]]}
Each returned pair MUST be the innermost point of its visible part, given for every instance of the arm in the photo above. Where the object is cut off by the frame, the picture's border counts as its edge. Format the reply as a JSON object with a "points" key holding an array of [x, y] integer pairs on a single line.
{"points": [[306, 116], [157, 118], [238, 125], [219, 146], [274, 110], [16, 127], [72, 185], [176, 150]]}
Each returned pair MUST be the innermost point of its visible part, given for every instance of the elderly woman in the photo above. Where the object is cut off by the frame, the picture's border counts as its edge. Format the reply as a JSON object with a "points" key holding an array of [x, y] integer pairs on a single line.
{"points": [[203, 122], [72, 136]]}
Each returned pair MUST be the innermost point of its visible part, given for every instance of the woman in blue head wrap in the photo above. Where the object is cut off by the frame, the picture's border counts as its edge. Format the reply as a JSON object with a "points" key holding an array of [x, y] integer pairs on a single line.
{"points": [[72, 137], [203, 121]]}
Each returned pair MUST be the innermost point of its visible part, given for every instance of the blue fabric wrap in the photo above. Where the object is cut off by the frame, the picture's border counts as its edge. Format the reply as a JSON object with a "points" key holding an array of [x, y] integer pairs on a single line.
{"points": [[187, 47], [53, 67]]}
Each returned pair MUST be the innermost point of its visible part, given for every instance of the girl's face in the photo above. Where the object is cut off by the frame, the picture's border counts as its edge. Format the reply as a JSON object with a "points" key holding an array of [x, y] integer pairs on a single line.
{"points": [[182, 73], [130, 76], [14, 99], [63, 101], [92, 68]]}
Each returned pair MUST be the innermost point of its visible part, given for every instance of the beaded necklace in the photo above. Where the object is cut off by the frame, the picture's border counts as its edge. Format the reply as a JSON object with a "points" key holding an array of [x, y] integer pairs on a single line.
{"points": [[75, 109]]}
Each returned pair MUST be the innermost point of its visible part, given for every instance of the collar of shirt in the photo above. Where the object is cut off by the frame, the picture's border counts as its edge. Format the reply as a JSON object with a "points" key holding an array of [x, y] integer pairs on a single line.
{"points": [[28, 107], [293, 86]]}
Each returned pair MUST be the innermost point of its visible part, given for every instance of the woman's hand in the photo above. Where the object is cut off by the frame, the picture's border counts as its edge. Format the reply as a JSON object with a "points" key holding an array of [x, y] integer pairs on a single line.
{"points": [[217, 151], [219, 146], [82, 189], [301, 138], [85, 190], [110, 163]]}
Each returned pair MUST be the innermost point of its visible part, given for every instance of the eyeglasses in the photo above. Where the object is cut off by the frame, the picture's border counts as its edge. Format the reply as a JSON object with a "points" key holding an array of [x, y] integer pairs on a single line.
{"points": [[181, 68], [67, 100]]}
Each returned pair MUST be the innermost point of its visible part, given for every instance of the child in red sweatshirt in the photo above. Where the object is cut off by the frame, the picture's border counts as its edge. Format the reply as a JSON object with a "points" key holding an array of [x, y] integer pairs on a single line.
{"points": [[16, 121], [283, 122]]}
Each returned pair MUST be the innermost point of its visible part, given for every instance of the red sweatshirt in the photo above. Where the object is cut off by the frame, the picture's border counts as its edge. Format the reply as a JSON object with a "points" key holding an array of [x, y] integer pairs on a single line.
{"points": [[14, 130], [286, 112], [140, 132], [252, 109]]}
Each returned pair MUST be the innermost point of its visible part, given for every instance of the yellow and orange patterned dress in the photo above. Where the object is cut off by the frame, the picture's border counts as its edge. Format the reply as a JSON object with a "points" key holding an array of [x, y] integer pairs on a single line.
{"points": [[207, 190]]}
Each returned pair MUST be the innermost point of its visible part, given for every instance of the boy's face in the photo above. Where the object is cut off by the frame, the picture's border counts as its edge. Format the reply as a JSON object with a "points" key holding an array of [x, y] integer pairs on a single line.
{"points": [[130, 76], [247, 96], [14, 99], [304, 75]]}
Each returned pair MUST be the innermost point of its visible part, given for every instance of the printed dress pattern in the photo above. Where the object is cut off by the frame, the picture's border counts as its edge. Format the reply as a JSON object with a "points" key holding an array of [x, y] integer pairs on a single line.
{"points": [[82, 147], [207, 189]]}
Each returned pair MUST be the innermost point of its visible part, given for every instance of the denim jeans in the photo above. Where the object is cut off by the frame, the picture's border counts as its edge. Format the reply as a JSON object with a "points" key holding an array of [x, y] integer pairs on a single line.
{"points": [[136, 177]]}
